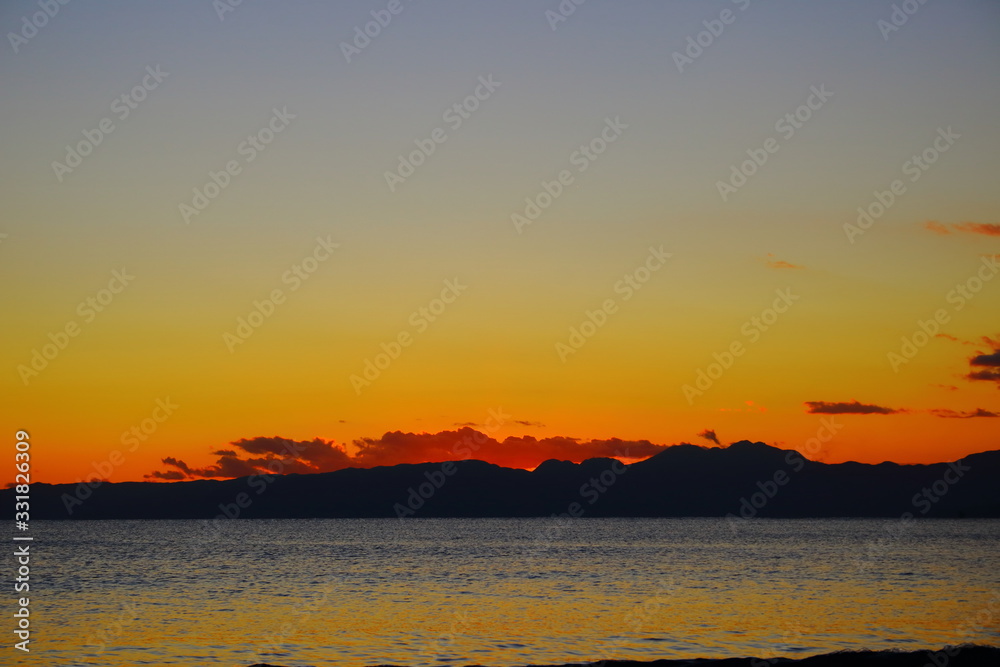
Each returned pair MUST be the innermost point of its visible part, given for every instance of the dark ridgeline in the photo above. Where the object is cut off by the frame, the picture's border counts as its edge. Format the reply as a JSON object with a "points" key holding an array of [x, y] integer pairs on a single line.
{"points": [[959, 656], [748, 479]]}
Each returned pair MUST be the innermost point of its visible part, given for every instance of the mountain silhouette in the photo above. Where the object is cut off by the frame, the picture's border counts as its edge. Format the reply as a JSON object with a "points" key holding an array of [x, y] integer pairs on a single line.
{"points": [[746, 479]]}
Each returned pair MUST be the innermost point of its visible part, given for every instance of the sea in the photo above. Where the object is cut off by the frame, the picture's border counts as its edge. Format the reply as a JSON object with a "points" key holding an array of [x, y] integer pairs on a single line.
{"points": [[501, 592]]}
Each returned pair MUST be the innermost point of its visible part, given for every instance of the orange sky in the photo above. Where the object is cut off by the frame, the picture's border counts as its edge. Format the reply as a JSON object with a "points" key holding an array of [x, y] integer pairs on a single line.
{"points": [[748, 245]]}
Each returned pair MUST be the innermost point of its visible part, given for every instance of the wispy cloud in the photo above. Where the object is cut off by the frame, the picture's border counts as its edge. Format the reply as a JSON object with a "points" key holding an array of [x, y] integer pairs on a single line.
{"points": [[953, 414], [779, 263], [852, 408], [984, 228]]}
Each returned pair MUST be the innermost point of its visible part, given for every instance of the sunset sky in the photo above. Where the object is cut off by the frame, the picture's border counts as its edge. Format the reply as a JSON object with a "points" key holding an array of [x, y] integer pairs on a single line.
{"points": [[620, 143]]}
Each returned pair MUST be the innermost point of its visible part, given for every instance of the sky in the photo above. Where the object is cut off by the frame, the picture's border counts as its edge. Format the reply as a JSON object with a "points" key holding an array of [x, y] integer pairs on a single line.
{"points": [[241, 234]]}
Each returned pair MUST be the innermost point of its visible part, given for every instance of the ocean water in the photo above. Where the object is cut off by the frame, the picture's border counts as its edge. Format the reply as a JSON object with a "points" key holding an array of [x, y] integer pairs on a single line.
{"points": [[503, 591]]}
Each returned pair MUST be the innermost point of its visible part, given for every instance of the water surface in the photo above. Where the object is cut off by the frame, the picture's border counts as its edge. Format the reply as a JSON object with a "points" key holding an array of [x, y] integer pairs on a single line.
{"points": [[504, 591]]}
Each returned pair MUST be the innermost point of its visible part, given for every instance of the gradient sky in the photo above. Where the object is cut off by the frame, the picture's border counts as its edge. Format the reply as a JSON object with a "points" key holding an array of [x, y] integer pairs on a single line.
{"points": [[494, 347]]}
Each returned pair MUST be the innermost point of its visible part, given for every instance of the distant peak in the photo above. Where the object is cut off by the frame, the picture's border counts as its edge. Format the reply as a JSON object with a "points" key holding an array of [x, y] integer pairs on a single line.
{"points": [[747, 446]]}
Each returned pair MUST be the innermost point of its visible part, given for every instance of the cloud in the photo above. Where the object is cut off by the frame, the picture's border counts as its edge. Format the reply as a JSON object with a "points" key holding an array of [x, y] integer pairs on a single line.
{"points": [[267, 455], [529, 423], [987, 229], [986, 359], [987, 376], [852, 408], [780, 263], [710, 436], [261, 455], [984, 228], [514, 452], [993, 342], [956, 339], [167, 475], [952, 414], [990, 364]]}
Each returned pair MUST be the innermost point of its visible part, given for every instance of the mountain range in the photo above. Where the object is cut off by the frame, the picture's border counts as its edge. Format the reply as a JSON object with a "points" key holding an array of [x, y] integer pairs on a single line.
{"points": [[743, 480]]}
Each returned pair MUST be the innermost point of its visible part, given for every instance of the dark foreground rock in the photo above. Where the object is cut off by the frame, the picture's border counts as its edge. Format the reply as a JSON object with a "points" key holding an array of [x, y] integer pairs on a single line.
{"points": [[959, 656]]}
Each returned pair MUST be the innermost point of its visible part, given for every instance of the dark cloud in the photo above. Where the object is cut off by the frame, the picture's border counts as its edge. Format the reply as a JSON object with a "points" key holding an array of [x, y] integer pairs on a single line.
{"points": [[989, 363], [852, 408], [281, 455], [262, 455], [986, 359], [167, 475], [522, 422], [952, 414], [987, 375], [709, 435]]}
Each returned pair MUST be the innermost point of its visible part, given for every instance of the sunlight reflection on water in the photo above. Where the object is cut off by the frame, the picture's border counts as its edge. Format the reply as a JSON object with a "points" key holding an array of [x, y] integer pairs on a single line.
{"points": [[503, 591]]}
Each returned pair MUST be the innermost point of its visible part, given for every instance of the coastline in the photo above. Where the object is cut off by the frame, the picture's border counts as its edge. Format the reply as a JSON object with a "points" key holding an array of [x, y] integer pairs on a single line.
{"points": [[968, 655]]}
